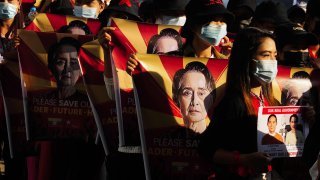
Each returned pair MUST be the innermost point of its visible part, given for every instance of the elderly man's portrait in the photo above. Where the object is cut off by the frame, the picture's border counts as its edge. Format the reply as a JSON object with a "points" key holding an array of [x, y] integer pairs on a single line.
{"points": [[194, 93]]}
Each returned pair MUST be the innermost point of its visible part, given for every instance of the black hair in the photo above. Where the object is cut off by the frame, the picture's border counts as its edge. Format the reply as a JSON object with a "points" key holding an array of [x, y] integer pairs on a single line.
{"points": [[293, 115], [168, 32], [272, 115]]}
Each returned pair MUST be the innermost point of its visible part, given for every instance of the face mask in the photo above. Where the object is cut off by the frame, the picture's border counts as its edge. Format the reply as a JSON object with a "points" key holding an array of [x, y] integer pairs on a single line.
{"points": [[86, 12], [7, 10], [213, 33], [171, 20], [265, 70], [296, 59]]}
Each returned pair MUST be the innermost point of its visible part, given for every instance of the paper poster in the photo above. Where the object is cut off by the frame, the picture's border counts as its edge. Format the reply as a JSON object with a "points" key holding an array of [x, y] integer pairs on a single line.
{"points": [[175, 97], [57, 104], [281, 131], [91, 57], [130, 37]]}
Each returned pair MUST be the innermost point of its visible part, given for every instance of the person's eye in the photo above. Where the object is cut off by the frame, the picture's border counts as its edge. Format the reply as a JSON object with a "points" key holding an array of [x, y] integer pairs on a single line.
{"points": [[187, 93], [74, 61], [60, 62]]}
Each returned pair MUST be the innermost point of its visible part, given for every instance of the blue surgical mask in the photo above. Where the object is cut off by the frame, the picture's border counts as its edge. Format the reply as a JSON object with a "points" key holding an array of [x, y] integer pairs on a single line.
{"points": [[213, 33], [171, 20], [265, 70], [7, 10], [85, 12]]}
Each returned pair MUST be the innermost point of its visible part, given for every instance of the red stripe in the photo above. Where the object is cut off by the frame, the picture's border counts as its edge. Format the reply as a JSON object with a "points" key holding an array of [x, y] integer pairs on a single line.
{"points": [[57, 21], [94, 26], [147, 31], [283, 72], [92, 68], [33, 27], [47, 39], [216, 67], [30, 63], [120, 58], [171, 64], [120, 40]]}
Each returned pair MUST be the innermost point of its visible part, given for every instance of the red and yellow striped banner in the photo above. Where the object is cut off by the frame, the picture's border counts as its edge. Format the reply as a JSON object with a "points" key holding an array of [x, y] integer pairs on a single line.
{"points": [[45, 22], [49, 115]]}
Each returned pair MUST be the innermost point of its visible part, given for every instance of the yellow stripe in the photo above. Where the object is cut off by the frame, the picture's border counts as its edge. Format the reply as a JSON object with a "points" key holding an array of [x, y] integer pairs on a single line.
{"points": [[222, 77], [43, 23], [131, 31], [32, 40], [72, 18], [35, 83], [99, 93], [152, 63], [154, 119], [95, 49], [37, 3], [276, 90], [296, 69], [161, 27], [125, 80]]}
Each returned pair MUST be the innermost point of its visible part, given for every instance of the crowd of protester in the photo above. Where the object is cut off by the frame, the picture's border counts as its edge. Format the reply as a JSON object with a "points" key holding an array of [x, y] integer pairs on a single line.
{"points": [[255, 37]]}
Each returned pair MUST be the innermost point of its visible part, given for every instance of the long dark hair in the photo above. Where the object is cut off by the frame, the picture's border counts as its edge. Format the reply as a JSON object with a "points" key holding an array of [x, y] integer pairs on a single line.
{"points": [[238, 78]]}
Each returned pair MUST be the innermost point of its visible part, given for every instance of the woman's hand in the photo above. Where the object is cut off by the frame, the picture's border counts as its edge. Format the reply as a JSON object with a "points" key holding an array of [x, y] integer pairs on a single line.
{"points": [[17, 41], [104, 36], [226, 46], [132, 63]]}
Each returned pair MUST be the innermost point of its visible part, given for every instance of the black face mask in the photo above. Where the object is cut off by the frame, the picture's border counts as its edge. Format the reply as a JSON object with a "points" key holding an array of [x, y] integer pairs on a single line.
{"points": [[296, 59]]}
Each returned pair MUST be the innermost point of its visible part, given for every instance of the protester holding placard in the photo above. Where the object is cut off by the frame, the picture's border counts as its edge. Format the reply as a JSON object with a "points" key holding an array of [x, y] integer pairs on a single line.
{"points": [[252, 67], [10, 20]]}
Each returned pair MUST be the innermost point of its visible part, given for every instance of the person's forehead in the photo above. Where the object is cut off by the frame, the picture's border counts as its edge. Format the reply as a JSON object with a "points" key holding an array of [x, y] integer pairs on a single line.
{"points": [[67, 48], [192, 74]]}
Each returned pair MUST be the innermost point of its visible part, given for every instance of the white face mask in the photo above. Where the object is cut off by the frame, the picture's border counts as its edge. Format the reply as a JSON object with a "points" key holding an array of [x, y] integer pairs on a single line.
{"points": [[265, 71], [7, 10], [171, 20], [213, 33], [85, 12]]}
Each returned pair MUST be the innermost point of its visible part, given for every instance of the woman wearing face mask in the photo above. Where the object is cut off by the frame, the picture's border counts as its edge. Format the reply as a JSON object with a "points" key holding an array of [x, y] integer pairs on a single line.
{"points": [[206, 28], [88, 8], [10, 21], [252, 67], [293, 43]]}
